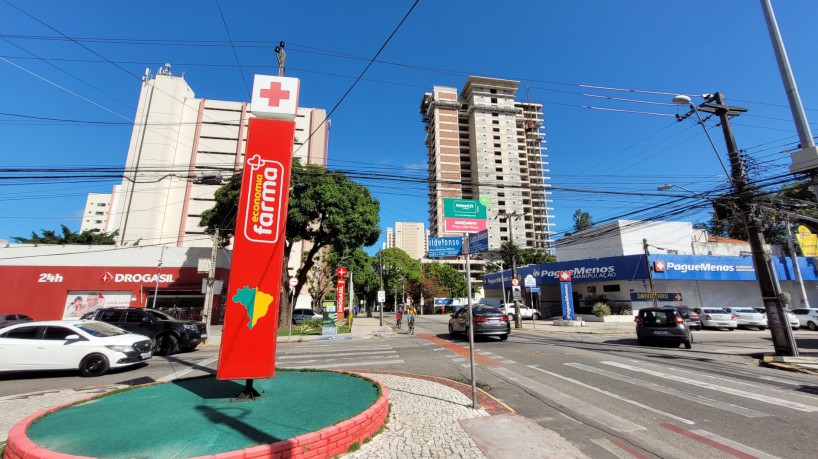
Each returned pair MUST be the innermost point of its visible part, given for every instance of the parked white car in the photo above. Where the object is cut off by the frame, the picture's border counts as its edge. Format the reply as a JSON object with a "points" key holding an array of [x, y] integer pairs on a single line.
{"points": [[88, 346], [748, 317], [807, 317], [525, 311], [716, 318], [791, 318]]}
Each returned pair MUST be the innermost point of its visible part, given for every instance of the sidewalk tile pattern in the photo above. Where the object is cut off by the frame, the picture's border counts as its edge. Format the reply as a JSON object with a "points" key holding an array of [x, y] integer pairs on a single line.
{"points": [[423, 423]]}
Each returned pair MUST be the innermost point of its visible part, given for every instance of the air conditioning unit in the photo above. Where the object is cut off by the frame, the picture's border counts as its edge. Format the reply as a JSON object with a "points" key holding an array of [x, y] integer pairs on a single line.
{"points": [[208, 178]]}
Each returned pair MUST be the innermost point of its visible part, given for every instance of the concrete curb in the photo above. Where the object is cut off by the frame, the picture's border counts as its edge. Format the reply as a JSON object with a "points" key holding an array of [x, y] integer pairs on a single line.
{"points": [[776, 361]]}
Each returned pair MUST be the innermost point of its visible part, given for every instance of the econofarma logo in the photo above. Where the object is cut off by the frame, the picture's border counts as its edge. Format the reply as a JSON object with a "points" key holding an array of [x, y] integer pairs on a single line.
{"points": [[264, 188]]}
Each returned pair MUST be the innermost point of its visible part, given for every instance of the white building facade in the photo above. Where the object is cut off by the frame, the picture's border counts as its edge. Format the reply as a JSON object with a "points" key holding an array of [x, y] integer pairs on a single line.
{"points": [[409, 237]]}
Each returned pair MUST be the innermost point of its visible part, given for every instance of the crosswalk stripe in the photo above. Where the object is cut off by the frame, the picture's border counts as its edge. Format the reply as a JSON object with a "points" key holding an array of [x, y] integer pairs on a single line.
{"points": [[347, 365], [719, 388], [614, 449], [585, 409], [306, 349], [616, 396], [722, 444], [724, 406], [330, 354]]}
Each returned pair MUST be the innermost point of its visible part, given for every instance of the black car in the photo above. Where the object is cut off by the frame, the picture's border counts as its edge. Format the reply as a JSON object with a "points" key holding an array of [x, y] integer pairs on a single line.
{"points": [[662, 324], [487, 320], [168, 334], [11, 319], [690, 316]]}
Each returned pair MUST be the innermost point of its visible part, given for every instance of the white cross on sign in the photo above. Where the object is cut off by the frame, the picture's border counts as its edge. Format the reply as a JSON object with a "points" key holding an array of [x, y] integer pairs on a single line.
{"points": [[275, 97]]}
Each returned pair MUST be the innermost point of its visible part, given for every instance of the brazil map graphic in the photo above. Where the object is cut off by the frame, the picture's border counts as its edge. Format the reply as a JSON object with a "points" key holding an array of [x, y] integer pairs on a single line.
{"points": [[255, 301]]}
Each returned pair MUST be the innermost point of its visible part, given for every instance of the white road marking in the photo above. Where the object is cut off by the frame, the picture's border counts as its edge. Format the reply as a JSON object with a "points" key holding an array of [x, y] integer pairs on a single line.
{"points": [[180, 373], [734, 445], [351, 364], [746, 412], [329, 354], [572, 404], [616, 396], [719, 388]]}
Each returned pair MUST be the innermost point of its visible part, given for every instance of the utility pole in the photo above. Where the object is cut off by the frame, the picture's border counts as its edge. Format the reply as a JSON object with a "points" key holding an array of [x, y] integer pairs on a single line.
{"points": [[281, 57], [380, 309], [158, 275], [795, 266], [650, 273], [211, 279], [518, 321], [743, 197]]}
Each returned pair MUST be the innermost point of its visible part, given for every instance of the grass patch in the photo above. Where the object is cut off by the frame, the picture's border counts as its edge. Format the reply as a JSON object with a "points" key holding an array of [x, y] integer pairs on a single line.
{"points": [[354, 447]]}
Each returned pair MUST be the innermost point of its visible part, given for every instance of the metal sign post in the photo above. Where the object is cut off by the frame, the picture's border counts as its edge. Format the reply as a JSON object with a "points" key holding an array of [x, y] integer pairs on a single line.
{"points": [[471, 321]]}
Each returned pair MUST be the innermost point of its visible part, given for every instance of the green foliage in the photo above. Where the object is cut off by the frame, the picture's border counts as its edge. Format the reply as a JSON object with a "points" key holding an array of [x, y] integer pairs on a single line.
{"points": [[354, 447], [621, 309], [325, 208], [308, 327], [510, 251], [601, 310], [69, 237], [582, 220], [400, 273]]}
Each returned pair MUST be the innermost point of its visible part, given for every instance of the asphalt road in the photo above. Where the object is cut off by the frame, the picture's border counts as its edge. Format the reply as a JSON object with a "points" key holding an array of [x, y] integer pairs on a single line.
{"points": [[604, 393]]}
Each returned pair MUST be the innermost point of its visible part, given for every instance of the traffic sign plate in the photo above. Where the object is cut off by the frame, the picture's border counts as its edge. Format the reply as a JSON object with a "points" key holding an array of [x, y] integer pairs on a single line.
{"points": [[515, 282], [293, 281]]}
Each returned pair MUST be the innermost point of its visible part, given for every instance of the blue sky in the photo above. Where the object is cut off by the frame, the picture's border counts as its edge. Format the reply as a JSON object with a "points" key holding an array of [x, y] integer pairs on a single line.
{"points": [[552, 47]]}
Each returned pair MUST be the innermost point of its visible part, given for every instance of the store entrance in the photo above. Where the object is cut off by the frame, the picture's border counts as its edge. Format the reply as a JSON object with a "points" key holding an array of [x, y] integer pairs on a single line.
{"points": [[179, 304]]}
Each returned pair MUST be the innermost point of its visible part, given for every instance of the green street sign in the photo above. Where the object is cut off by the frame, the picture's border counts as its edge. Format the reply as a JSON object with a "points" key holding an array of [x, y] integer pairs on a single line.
{"points": [[464, 208]]}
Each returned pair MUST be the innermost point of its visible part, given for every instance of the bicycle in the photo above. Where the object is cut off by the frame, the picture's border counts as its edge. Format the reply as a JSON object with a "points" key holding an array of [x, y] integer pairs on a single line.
{"points": [[411, 321], [398, 318]]}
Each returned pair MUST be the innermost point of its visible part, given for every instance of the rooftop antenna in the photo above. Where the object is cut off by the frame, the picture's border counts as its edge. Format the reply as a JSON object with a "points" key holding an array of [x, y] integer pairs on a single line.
{"points": [[281, 57]]}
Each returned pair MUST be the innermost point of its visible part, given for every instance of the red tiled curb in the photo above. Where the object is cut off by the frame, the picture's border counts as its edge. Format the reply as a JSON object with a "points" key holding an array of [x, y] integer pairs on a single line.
{"points": [[327, 442]]}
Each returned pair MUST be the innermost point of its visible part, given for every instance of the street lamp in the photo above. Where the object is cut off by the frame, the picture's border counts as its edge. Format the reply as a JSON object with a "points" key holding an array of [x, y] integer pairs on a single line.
{"points": [[682, 99]]}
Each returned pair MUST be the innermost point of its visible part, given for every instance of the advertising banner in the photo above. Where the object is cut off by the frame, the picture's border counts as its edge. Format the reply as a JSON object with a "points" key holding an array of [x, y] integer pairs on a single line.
{"points": [[340, 297], [445, 247], [254, 294], [807, 240], [463, 216], [463, 225], [567, 296], [81, 302], [329, 322]]}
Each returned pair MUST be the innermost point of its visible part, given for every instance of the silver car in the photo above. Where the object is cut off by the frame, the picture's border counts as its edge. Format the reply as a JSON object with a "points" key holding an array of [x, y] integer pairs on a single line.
{"points": [[748, 317], [716, 318]]}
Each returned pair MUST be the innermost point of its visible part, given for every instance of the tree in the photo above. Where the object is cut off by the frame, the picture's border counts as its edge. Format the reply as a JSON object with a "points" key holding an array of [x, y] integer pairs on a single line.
{"points": [[582, 221], [87, 237], [401, 273], [795, 197], [325, 208]]}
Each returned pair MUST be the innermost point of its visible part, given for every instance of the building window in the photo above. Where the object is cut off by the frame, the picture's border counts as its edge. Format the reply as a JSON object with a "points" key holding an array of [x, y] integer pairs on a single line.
{"points": [[493, 100], [493, 91], [101, 204], [610, 288]]}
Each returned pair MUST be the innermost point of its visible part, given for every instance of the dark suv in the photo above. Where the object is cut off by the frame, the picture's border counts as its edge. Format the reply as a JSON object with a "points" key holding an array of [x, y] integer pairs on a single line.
{"points": [[690, 316], [662, 324], [168, 334]]}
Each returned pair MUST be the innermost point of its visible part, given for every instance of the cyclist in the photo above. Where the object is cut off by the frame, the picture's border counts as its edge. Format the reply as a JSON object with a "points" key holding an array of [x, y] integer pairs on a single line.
{"points": [[410, 318]]}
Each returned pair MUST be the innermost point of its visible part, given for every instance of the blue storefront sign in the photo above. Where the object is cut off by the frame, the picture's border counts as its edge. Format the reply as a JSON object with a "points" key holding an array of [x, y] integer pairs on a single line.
{"points": [[626, 268], [645, 296], [444, 301], [665, 267], [479, 242], [445, 247]]}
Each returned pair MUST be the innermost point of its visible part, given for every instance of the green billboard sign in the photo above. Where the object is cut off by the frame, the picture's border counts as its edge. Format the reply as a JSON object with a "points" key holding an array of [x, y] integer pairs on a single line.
{"points": [[464, 208]]}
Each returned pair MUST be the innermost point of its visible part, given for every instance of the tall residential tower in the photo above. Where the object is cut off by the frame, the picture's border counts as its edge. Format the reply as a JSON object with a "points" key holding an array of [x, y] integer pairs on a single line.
{"points": [[483, 142]]}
